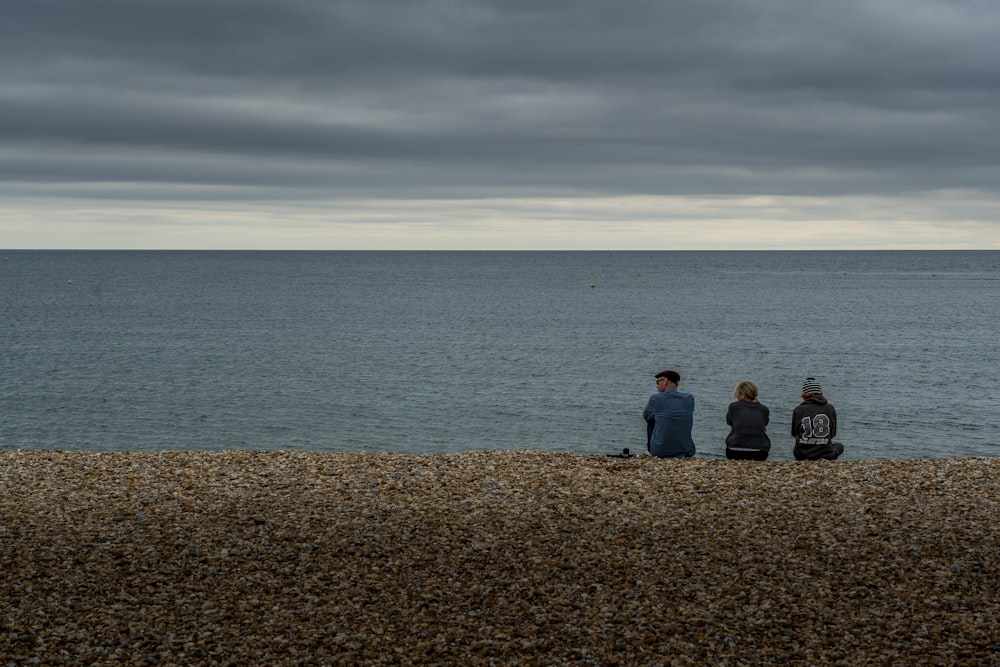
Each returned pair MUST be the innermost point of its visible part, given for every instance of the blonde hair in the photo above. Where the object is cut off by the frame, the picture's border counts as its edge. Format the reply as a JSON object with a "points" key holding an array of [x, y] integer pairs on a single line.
{"points": [[748, 389]]}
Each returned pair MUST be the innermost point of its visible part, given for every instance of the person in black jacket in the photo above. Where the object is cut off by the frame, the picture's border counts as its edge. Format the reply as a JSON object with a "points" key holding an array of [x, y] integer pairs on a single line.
{"points": [[814, 425], [747, 418]]}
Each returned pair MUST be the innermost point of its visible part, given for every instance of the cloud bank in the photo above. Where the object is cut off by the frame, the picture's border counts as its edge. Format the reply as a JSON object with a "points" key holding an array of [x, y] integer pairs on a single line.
{"points": [[499, 124]]}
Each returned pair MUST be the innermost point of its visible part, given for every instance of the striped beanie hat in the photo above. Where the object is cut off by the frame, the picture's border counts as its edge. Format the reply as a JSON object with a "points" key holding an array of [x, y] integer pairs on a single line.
{"points": [[810, 386]]}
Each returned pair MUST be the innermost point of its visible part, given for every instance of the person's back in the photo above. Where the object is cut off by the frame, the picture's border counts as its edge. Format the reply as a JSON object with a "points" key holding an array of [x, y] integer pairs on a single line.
{"points": [[814, 425], [672, 414], [748, 419]]}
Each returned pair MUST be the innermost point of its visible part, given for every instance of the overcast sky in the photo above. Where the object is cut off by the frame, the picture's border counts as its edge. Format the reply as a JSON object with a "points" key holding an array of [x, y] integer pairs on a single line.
{"points": [[548, 124]]}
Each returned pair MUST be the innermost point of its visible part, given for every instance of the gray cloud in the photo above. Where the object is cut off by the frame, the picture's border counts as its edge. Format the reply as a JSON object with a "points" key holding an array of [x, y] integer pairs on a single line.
{"points": [[440, 98]]}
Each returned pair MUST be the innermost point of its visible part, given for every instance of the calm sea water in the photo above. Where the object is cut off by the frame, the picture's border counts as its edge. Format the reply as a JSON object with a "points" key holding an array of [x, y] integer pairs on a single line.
{"points": [[421, 352]]}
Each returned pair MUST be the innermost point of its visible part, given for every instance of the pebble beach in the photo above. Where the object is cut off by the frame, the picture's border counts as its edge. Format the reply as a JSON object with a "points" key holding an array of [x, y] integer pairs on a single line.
{"points": [[495, 558]]}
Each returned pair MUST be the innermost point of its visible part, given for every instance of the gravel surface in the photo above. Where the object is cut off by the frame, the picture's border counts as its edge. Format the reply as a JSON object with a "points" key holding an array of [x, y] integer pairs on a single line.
{"points": [[495, 558]]}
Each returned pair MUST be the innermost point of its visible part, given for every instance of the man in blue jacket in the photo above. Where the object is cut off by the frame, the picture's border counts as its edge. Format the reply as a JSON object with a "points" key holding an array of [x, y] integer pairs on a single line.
{"points": [[671, 414]]}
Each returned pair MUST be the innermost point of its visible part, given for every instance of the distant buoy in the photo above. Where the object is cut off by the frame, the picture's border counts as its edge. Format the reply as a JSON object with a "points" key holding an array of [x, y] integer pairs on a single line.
{"points": [[69, 282], [592, 285], [933, 275]]}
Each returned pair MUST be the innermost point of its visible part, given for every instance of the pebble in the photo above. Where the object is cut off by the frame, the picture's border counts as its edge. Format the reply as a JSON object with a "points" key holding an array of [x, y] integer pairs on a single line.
{"points": [[495, 558]]}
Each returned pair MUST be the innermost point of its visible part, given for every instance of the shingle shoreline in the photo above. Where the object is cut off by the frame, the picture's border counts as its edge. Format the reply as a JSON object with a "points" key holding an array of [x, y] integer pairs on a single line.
{"points": [[501, 557]]}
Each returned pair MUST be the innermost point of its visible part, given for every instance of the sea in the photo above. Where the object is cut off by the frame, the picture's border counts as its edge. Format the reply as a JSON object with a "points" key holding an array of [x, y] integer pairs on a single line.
{"points": [[437, 352]]}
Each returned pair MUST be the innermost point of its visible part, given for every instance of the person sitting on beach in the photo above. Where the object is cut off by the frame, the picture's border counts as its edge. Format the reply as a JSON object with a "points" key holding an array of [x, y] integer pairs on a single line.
{"points": [[814, 425], [747, 418], [672, 415]]}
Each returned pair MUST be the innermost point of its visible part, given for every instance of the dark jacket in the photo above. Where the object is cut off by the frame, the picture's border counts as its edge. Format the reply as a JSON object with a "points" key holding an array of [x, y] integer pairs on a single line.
{"points": [[748, 422], [814, 425]]}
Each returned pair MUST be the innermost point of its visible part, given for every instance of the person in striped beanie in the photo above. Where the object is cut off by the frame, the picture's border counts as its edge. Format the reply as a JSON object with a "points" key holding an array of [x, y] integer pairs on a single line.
{"points": [[814, 425]]}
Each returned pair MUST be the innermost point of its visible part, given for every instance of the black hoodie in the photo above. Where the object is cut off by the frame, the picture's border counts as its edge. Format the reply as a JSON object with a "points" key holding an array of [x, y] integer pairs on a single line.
{"points": [[814, 425]]}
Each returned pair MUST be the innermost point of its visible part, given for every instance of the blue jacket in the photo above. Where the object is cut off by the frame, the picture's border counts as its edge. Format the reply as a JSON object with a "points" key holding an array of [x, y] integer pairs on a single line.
{"points": [[672, 414]]}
